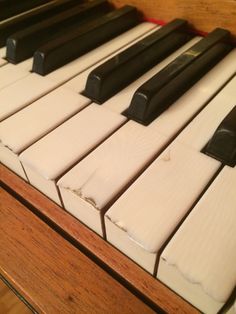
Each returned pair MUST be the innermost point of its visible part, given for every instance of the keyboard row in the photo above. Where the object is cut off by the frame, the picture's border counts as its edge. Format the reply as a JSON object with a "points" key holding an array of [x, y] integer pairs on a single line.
{"points": [[149, 190]]}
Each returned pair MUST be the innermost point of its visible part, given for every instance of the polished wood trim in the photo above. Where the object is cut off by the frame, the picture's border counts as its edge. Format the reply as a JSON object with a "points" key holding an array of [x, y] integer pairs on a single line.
{"points": [[202, 15], [52, 274], [9, 303], [149, 287]]}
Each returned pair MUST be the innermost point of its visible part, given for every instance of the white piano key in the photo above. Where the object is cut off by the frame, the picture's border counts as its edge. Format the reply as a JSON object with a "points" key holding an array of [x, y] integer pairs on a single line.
{"points": [[121, 101], [11, 73], [3, 52], [77, 66], [46, 114], [117, 161], [63, 164], [203, 127], [150, 228], [149, 211], [2, 56], [61, 148], [19, 95], [199, 262], [232, 309], [2, 62], [23, 92], [94, 182], [10, 159]]}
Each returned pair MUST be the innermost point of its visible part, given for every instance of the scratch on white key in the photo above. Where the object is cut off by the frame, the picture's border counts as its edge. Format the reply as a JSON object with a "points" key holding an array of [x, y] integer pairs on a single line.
{"points": [[79, 191], [119, 224]]}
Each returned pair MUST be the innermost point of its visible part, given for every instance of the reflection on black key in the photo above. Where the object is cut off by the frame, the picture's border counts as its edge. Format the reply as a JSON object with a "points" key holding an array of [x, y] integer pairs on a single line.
{"points": [[29, 18], [158, 93], [89, 36], [222, 145], [10, 8], [110, 77], [22, 44]]}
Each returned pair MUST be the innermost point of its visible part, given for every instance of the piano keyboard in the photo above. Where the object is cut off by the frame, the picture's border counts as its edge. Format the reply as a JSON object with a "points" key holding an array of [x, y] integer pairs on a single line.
{"points": [[149, 187]]}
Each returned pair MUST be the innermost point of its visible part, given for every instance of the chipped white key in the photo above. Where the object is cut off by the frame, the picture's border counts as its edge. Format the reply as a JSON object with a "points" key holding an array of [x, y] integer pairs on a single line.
{"points": [[53, 154], [94, 182], [151, 209], [116, 162], [83, 127], [143, 218], [23, 92], [199, 261], [34, 122]]}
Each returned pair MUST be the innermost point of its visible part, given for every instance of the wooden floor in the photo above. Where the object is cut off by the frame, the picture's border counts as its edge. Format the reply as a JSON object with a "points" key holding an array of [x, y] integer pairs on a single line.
{"points": [[9, 302]]}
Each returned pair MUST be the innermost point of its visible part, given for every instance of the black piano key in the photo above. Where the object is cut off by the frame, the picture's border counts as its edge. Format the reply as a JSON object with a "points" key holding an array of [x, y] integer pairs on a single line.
{"points": [[9, 8], [110, 77], [74, 44], [22, 44], [222, 145], [158, 93], [27, 19]]}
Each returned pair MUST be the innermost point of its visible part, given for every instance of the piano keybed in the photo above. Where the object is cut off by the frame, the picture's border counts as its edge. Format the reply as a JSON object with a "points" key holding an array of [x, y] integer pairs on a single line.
{"points": [[149, 190]]}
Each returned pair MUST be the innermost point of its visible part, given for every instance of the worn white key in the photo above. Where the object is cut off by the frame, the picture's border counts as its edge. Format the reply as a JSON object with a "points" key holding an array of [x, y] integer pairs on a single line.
{"points": [[34, 122], [26, 90], [143, 218], [23, 92], [164, 194], [83, 127], [53, 154], [117, 161], [199, 262]]}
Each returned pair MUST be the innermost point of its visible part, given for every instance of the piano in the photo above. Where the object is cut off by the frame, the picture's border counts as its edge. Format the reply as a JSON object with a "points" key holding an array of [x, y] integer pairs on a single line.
{"points": [[118, 154]]}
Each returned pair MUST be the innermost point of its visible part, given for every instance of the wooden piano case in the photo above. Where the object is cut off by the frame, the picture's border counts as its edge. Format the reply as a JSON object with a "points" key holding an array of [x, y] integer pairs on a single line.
{"points": [[86, 274]]}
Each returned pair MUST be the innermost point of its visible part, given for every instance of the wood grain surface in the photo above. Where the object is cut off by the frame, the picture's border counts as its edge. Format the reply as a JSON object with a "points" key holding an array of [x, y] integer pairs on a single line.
{"points": [[203, 15], [52, 274], [9, 302], [149, 287]]}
